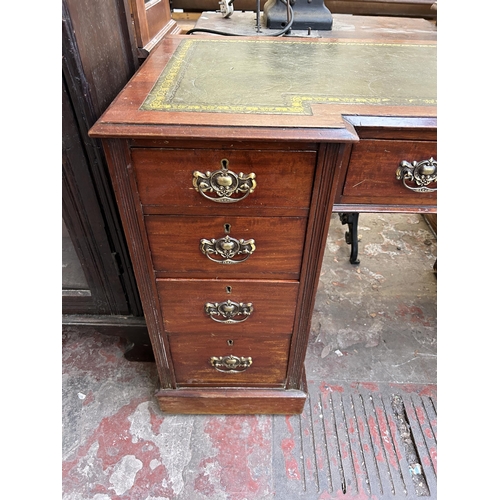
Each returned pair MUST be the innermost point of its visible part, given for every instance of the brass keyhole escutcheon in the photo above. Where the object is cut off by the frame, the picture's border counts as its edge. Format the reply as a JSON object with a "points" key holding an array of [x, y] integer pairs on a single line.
{"points": [[230, 342], [227, 228], [229, 289]]}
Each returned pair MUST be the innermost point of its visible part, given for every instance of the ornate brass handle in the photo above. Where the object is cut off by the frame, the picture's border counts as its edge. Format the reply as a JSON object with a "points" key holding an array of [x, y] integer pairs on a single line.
{"points": [[230, 364], [224, 186], [229, 312], [224, 249], [422, 173]]}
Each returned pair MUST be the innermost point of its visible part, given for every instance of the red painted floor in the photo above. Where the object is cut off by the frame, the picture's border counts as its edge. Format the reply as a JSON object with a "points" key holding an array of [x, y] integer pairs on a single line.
{"points": [[369, 428], [348, 443]]}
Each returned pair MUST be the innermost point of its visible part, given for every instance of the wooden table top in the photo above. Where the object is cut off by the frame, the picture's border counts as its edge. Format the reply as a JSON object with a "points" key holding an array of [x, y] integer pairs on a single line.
{"points": [[273, 87]]}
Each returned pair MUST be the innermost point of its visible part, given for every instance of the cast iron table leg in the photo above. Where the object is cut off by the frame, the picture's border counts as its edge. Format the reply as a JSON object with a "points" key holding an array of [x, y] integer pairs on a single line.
{"points": [[351, 236]]}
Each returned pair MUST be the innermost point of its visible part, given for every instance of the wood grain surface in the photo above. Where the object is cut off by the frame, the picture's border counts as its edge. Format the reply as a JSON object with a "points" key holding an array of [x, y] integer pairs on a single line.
{"points": [[371, 174], [183, 305], [175, 246], [165, 180], [191, 356]]}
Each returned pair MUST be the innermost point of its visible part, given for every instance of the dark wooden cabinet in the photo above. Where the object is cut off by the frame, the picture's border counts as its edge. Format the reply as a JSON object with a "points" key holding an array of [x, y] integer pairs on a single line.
{"points": [[95, 67], [226, 198], [151, 21], [100, 53]]}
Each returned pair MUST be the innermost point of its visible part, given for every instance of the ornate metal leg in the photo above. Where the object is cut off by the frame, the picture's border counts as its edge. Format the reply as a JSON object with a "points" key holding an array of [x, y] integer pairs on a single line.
{"points": [[351, 236]]}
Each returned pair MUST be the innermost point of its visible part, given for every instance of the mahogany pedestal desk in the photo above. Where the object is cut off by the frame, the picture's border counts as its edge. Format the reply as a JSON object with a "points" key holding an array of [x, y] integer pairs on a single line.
{"points": [[226, 156]]}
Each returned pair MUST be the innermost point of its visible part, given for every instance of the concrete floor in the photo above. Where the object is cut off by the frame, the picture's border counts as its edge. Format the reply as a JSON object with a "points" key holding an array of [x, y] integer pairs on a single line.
{"points": [[373, 340], [380, 314]]}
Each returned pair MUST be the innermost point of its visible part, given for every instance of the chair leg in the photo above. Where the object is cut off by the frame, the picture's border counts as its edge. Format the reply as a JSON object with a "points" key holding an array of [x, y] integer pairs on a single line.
{"points": [[351, 236]]}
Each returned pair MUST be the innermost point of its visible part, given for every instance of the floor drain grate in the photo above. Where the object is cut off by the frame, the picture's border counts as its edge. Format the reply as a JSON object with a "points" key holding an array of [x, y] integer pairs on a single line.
{"points": [[411, 453], [355, 441]]}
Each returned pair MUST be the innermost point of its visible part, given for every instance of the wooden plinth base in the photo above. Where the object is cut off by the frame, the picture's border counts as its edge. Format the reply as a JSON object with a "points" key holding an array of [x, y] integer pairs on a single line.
{"points": [[232, 401]]}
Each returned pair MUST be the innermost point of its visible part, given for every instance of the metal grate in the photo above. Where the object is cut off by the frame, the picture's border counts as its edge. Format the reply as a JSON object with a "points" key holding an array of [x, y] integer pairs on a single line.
{"points": [[358, 441]]}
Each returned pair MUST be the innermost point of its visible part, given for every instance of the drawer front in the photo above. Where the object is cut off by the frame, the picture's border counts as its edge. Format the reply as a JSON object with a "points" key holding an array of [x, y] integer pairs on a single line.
{"points": [[264, 246], [371, 175], [165, 178], [193, 364], [228, 306]]}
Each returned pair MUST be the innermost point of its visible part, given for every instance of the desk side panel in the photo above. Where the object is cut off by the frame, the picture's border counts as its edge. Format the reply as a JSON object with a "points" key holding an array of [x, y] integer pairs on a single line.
{"points": [[119, 163]]}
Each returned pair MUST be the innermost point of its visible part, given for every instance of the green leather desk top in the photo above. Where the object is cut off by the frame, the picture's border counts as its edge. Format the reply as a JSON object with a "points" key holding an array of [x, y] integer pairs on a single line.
{"points": [[275, 88], [282, 77]]}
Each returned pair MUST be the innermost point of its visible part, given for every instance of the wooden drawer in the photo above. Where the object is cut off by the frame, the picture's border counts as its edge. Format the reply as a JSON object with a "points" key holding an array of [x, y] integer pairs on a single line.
{"points": [[191, 355], [256, 307], [371, 174], [165, 179], [175, 246]]}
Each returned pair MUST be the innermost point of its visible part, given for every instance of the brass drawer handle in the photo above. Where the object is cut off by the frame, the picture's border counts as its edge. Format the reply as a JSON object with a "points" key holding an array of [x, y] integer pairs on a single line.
{"points": [[421, 173], [224, 249], [229, 312], [224, 186], [230, 364]]}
